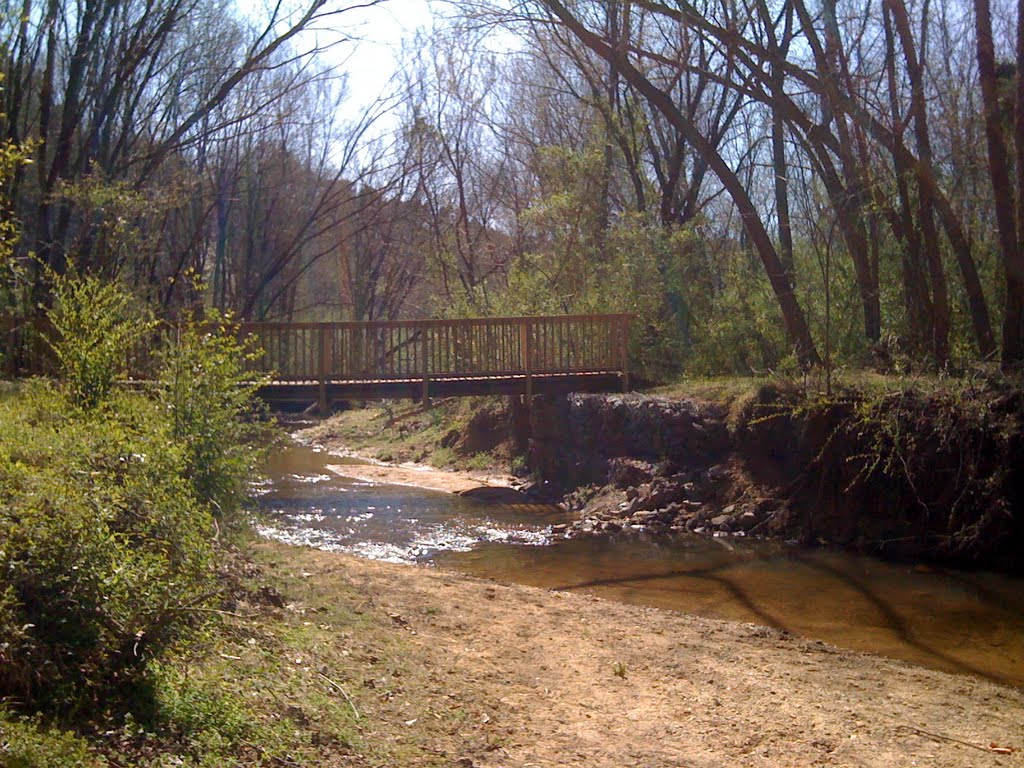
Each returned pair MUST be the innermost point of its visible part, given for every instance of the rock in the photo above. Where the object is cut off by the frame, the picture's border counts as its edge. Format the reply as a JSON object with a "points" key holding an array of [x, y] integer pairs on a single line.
{"points": [[720, 520], [748, 520], [626, 473], [730, 509], [716, 472], [667, 468]]}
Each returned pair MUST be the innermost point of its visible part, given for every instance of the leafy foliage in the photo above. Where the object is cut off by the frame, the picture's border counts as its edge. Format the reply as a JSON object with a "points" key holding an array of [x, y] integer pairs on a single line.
{"points": [[95, 323], [207, 396], [27, 743], [109, 502], [105, 545], [579, 266]]}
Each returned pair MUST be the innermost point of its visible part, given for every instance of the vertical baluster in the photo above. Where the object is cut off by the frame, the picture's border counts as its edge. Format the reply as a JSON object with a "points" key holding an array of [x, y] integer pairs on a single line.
{"points": [[547, 345], [563, 344]]}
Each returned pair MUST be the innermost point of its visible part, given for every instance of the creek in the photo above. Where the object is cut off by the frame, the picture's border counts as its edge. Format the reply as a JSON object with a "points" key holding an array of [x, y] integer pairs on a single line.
{"points": [[957, 621]]}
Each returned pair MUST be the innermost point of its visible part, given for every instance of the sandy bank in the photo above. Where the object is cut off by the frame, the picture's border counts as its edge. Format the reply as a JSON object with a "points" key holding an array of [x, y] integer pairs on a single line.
{"points": [[448, 481], [538, 678]]}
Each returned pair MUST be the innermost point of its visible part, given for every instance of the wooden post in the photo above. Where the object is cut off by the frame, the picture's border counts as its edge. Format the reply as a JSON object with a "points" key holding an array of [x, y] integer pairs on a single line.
{"points": [[324, 369], [424, 349], [624, 350], [524, 350]]}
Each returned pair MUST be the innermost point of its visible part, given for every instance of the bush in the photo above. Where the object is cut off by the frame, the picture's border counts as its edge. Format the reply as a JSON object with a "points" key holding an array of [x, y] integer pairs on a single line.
{"points": [[95, 325], [105, 546], [209, 400], [109, 502], [28, 744]]}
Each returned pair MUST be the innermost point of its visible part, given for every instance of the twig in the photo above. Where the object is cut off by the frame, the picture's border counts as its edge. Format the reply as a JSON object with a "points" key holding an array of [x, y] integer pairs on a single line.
{"points": [[940, 737], [219, 612], [343, 693]]}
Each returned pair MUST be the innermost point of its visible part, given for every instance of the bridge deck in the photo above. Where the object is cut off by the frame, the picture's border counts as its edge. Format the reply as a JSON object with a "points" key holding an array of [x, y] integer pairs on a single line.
{"points": [[327, 362], [309, 392]]}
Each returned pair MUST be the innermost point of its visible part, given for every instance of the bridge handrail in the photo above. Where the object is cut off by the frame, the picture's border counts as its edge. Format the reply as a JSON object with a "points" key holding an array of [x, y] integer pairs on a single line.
{"points": [[422, 349]]}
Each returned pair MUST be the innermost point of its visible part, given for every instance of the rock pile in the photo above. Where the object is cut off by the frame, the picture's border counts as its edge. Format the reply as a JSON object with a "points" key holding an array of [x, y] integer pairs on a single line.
{"points": [[646, 497]]}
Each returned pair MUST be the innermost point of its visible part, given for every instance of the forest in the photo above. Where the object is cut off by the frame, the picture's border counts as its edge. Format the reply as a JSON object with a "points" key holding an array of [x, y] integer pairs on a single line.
{"points": [[772, 189], [766, 185]]}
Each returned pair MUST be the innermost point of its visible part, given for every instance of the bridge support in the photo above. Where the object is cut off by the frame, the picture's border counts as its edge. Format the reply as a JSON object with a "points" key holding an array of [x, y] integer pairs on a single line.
{"points": [[519, 416], [325, 365], [525, 332], [425, 362]]}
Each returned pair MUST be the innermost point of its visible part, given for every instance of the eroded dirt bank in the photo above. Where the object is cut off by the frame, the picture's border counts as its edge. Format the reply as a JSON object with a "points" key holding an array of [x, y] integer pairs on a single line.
{"points": [[903, 474], [495, 675]]}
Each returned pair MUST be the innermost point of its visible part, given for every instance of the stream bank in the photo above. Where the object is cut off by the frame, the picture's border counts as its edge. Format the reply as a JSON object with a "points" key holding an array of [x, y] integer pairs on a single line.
{"points": [[467, 672], [905, 472]]}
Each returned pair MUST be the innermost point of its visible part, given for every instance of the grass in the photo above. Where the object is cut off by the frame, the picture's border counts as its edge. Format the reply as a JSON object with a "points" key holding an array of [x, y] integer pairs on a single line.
{"points": [[314, 677]]}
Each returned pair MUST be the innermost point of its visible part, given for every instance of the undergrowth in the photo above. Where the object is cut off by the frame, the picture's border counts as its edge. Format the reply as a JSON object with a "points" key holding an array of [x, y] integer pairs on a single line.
{"points": [[116, 508]]}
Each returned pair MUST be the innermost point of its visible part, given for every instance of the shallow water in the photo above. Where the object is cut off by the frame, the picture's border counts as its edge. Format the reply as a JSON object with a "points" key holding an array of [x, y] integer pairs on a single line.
{"points": [[308, 504], [962, 622]]}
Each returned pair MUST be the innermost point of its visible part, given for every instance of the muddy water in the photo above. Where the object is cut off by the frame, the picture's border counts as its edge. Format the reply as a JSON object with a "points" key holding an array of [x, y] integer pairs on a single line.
{"points": [[971, 623]]}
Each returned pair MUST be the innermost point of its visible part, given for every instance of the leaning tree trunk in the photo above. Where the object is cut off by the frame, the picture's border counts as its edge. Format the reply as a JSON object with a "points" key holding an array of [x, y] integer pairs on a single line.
{"points": [[792, 314], [926, 216], [1013, 319]]}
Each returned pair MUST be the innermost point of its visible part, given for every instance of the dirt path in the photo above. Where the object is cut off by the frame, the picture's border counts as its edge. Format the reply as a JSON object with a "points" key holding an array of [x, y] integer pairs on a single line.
{"points": [[514, 676]]}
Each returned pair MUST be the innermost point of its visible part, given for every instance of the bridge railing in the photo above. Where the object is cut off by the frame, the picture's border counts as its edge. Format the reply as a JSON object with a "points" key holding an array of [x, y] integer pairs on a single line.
{"points": [[389, 350], [414, 349]]}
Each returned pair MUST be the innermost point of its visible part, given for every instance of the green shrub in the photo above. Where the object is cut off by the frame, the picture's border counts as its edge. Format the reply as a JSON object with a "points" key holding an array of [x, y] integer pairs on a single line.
{"points": [[209, 399], [96, 323], [105, 547], [109, 503]]}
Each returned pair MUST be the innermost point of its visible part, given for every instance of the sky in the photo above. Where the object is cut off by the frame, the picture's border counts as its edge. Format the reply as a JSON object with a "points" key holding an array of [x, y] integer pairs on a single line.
{"points": [[379, 31], [369, 39]]}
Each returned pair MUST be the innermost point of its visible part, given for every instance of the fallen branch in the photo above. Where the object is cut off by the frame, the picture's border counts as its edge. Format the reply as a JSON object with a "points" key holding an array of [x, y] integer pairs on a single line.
{"points": [[940, 737], [342, 691]]}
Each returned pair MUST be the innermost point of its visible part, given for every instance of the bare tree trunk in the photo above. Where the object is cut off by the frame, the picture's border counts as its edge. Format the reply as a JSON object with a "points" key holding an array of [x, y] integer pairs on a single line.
{"points": [[936, 271], [1002, 191], [846, 195]]}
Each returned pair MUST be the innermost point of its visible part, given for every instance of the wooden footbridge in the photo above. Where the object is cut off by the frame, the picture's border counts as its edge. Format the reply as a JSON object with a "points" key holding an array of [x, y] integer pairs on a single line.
{"points": [[323, 363]]}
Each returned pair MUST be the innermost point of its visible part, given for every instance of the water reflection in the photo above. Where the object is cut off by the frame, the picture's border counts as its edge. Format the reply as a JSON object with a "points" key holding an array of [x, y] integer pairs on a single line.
{"points": [[961, 622], [307, 504]]}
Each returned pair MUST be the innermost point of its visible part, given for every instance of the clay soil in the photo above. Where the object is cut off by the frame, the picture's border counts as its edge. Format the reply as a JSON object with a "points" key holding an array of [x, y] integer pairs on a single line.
{"points": [[500, 675]]}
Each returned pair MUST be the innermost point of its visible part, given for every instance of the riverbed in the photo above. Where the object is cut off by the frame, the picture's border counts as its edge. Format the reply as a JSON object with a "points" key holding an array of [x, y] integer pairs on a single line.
{"points": [[956, 621]]}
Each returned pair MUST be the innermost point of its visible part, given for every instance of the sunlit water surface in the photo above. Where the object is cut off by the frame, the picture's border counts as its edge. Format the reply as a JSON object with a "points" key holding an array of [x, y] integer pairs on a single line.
{"points": [[955, 621]]}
